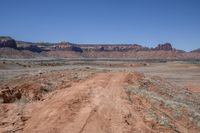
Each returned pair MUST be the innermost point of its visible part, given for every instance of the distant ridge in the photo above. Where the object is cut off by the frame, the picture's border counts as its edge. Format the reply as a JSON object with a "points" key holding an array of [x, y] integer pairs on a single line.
{"points": [[72, 50], [196, 50]]}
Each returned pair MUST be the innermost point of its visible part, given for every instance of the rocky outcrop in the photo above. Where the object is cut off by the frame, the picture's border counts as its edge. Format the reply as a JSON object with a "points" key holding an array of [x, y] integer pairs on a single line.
{"points": [[7, 42], [61, 46], [111, 47], [165, 47], [66, 46]]}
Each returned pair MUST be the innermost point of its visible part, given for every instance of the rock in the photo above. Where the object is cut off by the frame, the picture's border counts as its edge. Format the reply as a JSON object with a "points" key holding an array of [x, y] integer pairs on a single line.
{"points": [[7, 42], [165, 46]]}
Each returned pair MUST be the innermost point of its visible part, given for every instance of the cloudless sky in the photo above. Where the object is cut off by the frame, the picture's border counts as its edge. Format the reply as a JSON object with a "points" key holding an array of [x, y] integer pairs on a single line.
{"points": [[146, 22]]}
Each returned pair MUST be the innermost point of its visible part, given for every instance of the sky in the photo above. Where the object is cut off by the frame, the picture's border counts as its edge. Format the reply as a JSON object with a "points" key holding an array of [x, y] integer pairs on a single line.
{"points": [[145, 22]]}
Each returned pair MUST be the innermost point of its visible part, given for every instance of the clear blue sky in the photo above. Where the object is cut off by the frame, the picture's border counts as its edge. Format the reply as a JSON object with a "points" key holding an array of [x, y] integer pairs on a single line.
{"points": [[146, 22]]}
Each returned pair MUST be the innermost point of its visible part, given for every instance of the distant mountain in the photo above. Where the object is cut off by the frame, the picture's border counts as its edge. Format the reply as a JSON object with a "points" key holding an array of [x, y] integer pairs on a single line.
{"points": [[71, 50], [196, 51]]}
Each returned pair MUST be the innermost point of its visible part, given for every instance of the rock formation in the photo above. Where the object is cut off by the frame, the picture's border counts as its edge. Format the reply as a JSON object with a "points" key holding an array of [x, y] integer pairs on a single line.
{"points": [[111, 47], [165, 47], [72, 50], [7, 42]]}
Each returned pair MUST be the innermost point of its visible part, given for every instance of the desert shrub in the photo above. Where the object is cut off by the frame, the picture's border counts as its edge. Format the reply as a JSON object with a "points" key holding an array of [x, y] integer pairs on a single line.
{"points": [[44, 89]]}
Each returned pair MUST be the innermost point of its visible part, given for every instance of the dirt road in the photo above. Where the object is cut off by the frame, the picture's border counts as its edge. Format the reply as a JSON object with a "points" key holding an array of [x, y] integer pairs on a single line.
{"points": [[101, 104], [95, 105]]}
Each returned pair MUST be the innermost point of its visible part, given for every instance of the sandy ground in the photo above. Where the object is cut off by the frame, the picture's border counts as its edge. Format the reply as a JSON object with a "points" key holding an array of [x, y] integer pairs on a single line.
{"points": [[104, 99], [95, 105]]}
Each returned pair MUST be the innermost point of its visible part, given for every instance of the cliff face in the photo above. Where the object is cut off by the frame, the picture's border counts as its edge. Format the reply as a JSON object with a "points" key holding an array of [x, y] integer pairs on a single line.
{"points": [[61, 46], [109, 47], [66, 46], [7, 42], [165, 47], [70, 50]]}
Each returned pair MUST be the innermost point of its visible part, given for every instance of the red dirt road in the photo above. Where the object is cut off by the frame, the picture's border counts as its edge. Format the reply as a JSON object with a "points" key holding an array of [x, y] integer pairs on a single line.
{"points": [[100, 104], [96, 105]]}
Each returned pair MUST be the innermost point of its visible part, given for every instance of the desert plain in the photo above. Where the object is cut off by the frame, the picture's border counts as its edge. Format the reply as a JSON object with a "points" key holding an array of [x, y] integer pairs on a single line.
{"points": [[99, 96]]}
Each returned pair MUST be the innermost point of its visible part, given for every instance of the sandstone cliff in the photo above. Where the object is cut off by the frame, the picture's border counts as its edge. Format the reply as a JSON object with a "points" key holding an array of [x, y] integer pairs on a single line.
{"points": [[7, 42]]}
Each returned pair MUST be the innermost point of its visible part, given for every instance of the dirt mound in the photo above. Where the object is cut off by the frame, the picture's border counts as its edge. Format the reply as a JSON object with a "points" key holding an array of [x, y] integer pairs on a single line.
{"points": [[23, 93], [9, 95]]}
